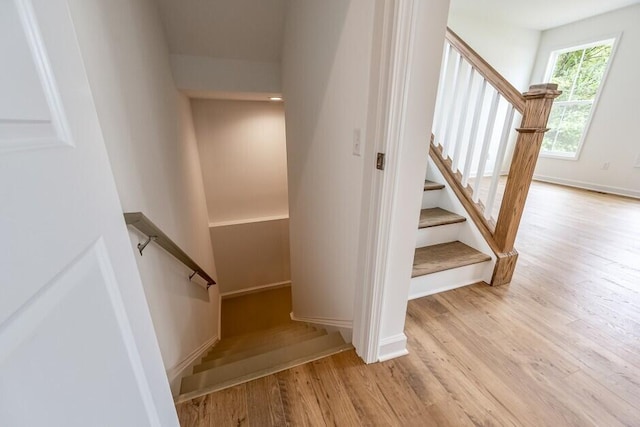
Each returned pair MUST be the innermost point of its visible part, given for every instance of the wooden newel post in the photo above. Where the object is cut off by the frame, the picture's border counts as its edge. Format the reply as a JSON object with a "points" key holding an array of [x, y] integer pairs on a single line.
{"points": [[538, 102]]}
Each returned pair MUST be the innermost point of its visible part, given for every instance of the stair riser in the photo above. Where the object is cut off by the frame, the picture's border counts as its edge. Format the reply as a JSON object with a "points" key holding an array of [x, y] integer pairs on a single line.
{"points": [[439, 234], [259, 363], [273, 370], [233, 357], [430, 199], [231, 342], [450, 279], [249, 344]]}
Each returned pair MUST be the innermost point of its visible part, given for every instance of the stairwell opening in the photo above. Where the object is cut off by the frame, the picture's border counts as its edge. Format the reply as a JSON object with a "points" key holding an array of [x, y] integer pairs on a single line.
{"points": [[242, 149]]}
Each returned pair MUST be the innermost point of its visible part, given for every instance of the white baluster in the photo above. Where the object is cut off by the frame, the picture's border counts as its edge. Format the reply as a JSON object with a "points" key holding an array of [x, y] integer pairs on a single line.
{"points": [[443, 94], [451, 107], [464, 105], [437, 118], [454, 125], [486, 143], [502, 149], [474, 130]]}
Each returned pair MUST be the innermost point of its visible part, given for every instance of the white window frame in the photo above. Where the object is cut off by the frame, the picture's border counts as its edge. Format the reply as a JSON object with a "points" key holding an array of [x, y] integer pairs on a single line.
{"points": [[553, 56]]}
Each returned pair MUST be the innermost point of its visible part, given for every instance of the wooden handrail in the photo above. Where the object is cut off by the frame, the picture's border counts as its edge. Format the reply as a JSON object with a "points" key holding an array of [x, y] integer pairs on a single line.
{"points": [[153, 232], [505, 88], [464, 195]]}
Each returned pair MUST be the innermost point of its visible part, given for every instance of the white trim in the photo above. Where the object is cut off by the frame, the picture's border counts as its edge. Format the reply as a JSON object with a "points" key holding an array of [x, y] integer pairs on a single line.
{"points": [[553, 56], [338, 323], [618, 191], [117, 303], [219, 314], [392, 347], [248, 220], [556, 155], [179, 369], [255, 289], [387, 115], [368, 292]]}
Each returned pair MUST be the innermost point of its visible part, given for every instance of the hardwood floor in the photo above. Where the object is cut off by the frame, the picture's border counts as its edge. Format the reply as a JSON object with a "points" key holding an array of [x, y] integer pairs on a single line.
{"points": [[560, 346]]}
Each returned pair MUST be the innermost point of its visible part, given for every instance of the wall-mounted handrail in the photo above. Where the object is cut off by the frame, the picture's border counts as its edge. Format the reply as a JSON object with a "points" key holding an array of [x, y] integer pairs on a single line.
{"points": [[139, 221]]}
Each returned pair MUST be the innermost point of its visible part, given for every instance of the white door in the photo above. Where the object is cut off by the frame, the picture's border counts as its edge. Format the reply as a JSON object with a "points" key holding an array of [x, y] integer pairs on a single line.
{"points": [[77, 346]]}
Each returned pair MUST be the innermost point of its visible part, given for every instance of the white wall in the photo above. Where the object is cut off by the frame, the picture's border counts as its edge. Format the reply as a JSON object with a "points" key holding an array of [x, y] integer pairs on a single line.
{"points": [[153, 153], [202, 74], [509, 49], [326, 62], [611, 137], [251, 255], [242, 148], [243, 154]]}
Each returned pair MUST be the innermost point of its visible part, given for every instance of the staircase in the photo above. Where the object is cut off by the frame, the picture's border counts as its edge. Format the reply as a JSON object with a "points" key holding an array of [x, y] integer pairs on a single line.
{"points": [[441, 261], [238, 359], [471, 207]]}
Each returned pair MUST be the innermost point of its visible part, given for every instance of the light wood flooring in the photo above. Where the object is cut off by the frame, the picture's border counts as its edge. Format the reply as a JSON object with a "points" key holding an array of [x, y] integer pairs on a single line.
{"points": [[560, 346]]}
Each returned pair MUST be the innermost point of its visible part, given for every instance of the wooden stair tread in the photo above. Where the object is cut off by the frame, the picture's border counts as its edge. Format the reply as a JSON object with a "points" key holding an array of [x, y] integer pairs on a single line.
{"points": [[261, 365], [256, 337], [430, 185], [433, 217], [445, 256]]}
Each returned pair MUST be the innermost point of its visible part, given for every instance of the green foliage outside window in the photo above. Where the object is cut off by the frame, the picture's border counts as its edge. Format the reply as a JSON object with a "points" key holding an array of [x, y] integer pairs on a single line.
{"points": [[578, 74]]}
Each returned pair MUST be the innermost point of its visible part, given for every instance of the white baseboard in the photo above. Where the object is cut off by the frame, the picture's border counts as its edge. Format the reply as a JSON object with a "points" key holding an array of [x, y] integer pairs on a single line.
{"points": [[338, 323], [255, 289], [178, 371], [618, 191], [392, 347]]}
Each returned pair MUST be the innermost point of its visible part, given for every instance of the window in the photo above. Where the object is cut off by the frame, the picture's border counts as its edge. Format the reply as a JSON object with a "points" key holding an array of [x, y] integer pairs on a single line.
{"points": [[579, 72]]}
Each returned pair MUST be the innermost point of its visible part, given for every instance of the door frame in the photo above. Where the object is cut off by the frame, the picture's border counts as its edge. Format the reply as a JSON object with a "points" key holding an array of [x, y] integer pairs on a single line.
{"points": [[397, 55]]}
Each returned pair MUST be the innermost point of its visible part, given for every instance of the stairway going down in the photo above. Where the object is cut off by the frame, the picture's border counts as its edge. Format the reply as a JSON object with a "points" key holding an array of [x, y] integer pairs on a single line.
{"points": [[441, 260], [242, 358]]}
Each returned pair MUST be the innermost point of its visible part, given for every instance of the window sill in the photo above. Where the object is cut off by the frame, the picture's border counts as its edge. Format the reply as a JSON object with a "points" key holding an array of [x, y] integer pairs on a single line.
{"points": [[549, 155]]}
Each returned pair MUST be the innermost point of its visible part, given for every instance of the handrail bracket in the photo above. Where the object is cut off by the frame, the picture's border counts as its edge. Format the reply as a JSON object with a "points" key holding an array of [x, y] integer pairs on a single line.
{"points": [[141, 246]]}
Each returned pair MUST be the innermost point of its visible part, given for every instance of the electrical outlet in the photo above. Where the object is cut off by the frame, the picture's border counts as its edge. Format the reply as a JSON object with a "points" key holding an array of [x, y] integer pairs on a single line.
{"points": [[605, 166], [357, 143]]}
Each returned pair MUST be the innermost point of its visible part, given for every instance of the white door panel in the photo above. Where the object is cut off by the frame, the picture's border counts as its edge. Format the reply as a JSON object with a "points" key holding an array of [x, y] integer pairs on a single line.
{"points": [[77, 346], [31, 113], [71, 334]]}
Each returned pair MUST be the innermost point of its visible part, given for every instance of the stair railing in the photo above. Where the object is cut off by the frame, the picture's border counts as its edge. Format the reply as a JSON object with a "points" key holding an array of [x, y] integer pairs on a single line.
{"points": [[154, 234], [473, 145]]}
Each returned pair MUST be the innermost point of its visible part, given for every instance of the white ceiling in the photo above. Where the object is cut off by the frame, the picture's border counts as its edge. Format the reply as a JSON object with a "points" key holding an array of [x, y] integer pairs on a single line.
{"points": [[234, 29], [252, 29], [538, 14]]}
